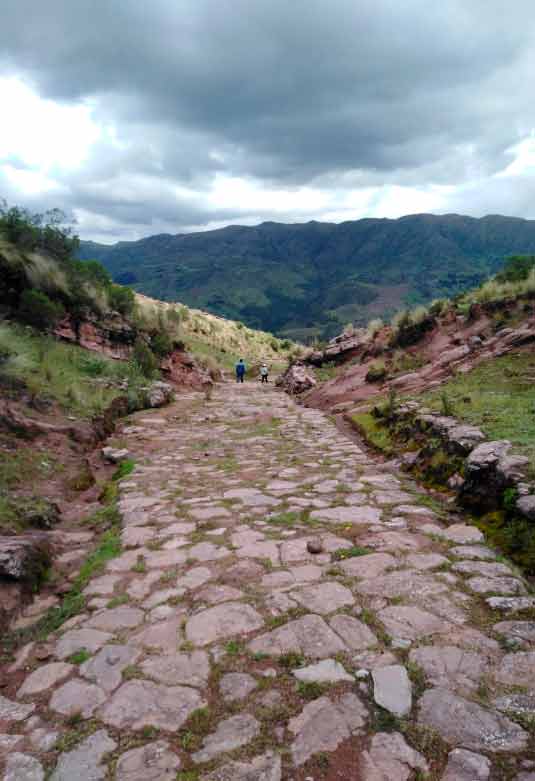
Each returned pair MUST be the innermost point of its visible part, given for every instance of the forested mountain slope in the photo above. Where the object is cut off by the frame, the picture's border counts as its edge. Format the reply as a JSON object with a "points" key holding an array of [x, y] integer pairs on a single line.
{"points": [[305, 279]]}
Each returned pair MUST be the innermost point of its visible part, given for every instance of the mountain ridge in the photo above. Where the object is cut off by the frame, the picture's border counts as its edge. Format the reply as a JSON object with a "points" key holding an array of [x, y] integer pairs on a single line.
{"points": [[308, 279]]}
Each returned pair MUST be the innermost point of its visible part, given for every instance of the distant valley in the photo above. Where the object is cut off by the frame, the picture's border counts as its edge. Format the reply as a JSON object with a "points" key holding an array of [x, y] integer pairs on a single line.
{"points": [[307, 280]]}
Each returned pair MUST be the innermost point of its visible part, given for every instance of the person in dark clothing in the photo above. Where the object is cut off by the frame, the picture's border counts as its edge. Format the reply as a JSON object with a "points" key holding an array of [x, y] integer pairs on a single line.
{"points": [[240, 370]]}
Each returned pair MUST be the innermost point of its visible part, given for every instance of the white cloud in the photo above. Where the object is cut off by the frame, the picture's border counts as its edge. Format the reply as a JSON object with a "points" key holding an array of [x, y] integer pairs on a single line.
{"points": [[41, 135]]}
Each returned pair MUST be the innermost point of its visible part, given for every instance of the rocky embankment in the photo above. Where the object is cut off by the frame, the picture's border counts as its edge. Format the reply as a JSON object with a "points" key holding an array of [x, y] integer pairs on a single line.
{"points": [[483, 473], [46, 538], [452, 345]]}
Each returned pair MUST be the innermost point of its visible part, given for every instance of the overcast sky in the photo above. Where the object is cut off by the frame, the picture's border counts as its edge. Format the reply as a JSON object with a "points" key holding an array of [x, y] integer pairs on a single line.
{"points": [[177, 115]]}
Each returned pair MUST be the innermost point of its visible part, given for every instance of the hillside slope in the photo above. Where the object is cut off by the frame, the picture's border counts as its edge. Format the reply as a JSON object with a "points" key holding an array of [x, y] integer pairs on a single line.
{"points": [[303, 280]]}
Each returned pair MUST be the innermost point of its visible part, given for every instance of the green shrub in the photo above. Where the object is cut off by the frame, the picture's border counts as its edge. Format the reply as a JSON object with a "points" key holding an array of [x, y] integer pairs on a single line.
{"points": [[121, 299], [145, 359], [161, 344], [37, 309], [516, 268], [376, 372]]}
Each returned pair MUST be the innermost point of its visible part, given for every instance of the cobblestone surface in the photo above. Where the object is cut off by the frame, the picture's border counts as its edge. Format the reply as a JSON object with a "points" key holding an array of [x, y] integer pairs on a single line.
{"points": [[216, 630]]}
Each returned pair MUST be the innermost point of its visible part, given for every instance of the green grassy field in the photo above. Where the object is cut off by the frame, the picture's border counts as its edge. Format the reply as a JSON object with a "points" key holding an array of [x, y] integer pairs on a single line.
{"points": [[499, 397]]}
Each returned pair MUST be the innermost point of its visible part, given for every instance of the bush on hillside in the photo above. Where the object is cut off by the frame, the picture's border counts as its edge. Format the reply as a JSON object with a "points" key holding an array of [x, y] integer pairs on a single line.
{"points": [[144, 358], [38, 310], [376, 372], [46, 232], [516, 269], [161, 344], [121, 299], [408, 327]]}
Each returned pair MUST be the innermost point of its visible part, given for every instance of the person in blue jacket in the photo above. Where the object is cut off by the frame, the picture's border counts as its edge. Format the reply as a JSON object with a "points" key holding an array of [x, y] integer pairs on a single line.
{"points": [[240, 370]]}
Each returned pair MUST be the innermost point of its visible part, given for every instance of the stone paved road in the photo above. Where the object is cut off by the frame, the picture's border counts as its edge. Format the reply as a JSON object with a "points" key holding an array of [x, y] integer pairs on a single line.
{"points": [[217, 647]]}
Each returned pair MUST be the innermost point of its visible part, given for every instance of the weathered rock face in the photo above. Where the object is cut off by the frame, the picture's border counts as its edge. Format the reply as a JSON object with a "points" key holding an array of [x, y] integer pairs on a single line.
{"points": [[489, 470], [180, 368], [111, 335], [159, 394], [24, 558], [297, 379]]}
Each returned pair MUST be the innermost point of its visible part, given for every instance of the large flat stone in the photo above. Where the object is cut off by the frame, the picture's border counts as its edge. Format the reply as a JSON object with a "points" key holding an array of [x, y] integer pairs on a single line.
{"points": [[105, 669], [490, 569], [323, 725], [75, 640], [236, 686], [360, 514], [369, 566], [411, 623], [309, 635], [266, 767], [355, 634], [392, 689], [45, 677], [14, 711], [466, 766], [326, 671], [464, 723], [403, 583], [152, 762], [457, 532], [230, 734], [190, 669], [324, 598], [425, 561], [520, 630], [517, 669], [164, 635], [117, 619], [390, 758], [137, 704], [222, 621], [500, 586], [479, 552], [510, 604], [22, 767], [449, 666], [77, 697], [85, 762]]}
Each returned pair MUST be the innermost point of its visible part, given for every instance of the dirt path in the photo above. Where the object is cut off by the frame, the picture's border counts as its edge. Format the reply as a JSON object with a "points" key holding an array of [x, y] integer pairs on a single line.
{"points": [[216, 646]]}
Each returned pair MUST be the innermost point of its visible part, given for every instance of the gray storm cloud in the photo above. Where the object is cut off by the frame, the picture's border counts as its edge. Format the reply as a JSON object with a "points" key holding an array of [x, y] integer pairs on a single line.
{"points": [[331, 95]]}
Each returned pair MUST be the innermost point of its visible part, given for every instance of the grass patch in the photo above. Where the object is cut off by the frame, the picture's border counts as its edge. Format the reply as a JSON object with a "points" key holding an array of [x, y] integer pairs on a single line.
{"points": [[66, 371], [496, 396], [291, 660], [74, 602], [79, 657], [284, 519], [310, 690], [124, 469], [350, 553], [234, 648], [374, 432]]}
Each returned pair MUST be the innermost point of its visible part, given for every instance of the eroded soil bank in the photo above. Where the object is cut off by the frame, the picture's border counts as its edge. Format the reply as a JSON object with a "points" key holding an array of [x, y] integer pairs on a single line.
{"points": [[217, 646]]}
